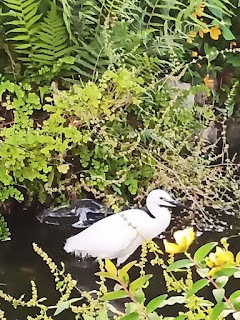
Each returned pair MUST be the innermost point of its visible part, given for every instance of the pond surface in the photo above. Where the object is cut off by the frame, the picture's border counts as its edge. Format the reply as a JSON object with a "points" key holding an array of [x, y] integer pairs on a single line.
{"points": [[19, 263]]}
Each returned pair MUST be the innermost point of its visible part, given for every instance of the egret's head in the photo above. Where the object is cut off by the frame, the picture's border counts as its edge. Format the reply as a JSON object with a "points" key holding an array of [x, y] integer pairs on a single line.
{"points": [[163, 199]]}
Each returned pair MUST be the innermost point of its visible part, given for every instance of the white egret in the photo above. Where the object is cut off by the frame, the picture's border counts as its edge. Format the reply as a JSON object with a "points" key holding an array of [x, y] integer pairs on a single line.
{"points": [[119, 235]]}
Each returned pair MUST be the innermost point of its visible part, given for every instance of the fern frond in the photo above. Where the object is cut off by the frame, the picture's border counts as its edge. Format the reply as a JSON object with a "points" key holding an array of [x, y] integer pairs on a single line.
{"points": [[24, 19], [92, 58], [86, 17], [67, 16], [53, 39]]}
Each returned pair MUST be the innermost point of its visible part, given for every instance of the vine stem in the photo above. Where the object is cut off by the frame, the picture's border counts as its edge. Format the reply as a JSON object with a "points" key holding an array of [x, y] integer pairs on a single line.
{"points": [[133, 298], [210, 279]]}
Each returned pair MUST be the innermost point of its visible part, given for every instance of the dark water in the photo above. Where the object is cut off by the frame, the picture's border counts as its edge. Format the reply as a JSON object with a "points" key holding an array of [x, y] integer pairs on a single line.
{"points": [[19, 263]]}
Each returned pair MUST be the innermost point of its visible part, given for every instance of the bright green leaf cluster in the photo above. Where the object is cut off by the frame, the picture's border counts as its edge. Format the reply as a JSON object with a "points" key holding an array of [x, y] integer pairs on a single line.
{"points": [[4, 231]]}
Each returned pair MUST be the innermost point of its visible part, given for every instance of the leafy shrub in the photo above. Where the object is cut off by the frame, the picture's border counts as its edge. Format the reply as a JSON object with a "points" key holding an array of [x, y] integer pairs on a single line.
{"points": [[115, 138]]}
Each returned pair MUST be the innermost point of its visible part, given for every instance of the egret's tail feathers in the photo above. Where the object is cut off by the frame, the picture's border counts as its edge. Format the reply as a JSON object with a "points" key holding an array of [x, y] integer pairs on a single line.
{"points": [[81, 254], [70, 246]]}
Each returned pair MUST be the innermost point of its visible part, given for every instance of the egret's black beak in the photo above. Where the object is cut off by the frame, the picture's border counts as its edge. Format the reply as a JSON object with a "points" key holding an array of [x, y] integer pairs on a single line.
{"points": [[179, 205]]}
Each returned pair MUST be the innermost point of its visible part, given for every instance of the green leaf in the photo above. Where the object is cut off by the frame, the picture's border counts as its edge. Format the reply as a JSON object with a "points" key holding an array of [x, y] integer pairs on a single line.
{"points": [[20, 38], [128, 266], [155, 303], [61, 307], [23, 46], [114, 295], [203, 272], [227, 34], [110, 267], [59, 284], [17, 30], [138, 283], [180, 264], [87, 317], [173, 300], [123, 276], [235, 299], [218, 294], [182, 317], [216, 311], [230, 110], [221, 281], [130, 307], [65, 305], [50, 178], [102, 314], [216, 11], [237, 274], [225, 272], [133, 187], [203, 251], [4, 231], [196, 287], [233, 59], [122, 273], [211, 52], [131, 316], [139, 295], [63, 168], [106, 275]]}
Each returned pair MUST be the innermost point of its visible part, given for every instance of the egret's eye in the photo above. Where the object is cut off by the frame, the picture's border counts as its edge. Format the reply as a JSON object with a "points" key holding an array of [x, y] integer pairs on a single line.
{"points": [[161, 198]]}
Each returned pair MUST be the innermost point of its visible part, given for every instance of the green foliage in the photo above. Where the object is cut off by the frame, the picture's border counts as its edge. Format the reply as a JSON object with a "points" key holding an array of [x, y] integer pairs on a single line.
{"points": [[37, 44], [201, 253], [52, 39], [24, 25], [4, 231], [123, 133], [91, 36], [125, 138]]}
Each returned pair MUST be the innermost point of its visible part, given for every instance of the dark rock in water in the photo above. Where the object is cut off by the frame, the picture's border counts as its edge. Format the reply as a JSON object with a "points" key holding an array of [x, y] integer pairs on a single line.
{"points": [[233, 136], [210, 134], [79, 214]]}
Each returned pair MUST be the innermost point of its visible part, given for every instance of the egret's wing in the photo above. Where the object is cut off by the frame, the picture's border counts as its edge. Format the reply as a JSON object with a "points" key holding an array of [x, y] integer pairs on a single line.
{"points": [[107, 237]]}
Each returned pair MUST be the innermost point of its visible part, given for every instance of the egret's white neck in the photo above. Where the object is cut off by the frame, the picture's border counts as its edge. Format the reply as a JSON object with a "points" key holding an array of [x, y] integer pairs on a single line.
{"points": [[161, 213]]}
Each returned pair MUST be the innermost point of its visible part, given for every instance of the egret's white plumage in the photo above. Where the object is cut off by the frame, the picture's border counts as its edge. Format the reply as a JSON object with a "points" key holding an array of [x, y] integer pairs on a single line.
{"points": [[119, 235]]}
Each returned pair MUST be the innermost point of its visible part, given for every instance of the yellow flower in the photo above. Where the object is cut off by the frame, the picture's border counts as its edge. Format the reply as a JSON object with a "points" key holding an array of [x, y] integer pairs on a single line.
{"points": [[208, 82], [221, 258], [194, 15], [191, 36], [194, 54], [202, 31], [215, 32], [184, 238], [238, 258], [199, 11]]}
